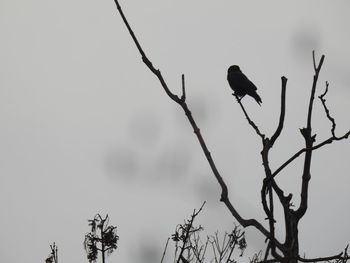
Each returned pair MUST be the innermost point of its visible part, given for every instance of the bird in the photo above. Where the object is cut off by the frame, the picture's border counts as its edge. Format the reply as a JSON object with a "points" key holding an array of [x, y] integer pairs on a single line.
{"points": [[240, 84]]}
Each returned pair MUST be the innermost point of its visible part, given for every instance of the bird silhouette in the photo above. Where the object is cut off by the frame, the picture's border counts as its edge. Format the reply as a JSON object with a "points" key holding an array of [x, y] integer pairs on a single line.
{"points": [[240, 84]]}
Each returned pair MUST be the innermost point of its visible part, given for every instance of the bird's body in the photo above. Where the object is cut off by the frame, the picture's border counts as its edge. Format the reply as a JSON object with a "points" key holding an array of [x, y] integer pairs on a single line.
{"points": [[240, 84]]}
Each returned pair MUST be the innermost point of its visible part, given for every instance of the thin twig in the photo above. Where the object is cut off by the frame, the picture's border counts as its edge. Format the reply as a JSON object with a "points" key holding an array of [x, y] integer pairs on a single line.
{"points": [[251, 123], [297, 154], [314, 60], [188, 232], [313, 90], [183, 96], [329, 117], [166, 246]]}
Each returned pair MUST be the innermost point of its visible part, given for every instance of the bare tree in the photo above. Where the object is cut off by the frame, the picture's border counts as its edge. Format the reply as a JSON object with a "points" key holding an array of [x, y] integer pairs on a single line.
{"points": [[102, 238], [276, 251]]}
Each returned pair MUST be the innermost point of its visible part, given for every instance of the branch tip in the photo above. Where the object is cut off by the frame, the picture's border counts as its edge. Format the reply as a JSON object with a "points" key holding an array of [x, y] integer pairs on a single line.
{"points": [[183, 96], [314, 60], [283, 111]]}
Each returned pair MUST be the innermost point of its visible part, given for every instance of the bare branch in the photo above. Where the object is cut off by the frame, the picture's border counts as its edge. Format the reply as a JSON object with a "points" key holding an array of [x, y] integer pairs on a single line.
{"points": [[313, 90], [166, 246], [267, 251], [250, 222], [188, 228], [309, 140], [269, 182], [251, 123], [183, 96], [283, 111], [339, 256], [144, 57], [297, 154], [330, 118], [314, 60]]}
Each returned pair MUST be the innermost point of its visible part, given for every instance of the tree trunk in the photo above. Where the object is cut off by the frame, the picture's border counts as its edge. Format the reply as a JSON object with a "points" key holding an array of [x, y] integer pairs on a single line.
{"points": [[102, 246], [291, 243]]}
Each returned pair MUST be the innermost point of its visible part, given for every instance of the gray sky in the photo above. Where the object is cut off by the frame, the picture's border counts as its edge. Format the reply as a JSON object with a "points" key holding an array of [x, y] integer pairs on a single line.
{"points": [[86, 128]]}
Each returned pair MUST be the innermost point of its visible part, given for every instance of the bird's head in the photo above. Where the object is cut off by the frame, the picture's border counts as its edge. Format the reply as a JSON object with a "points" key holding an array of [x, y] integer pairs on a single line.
{"points": [[234, 68]]}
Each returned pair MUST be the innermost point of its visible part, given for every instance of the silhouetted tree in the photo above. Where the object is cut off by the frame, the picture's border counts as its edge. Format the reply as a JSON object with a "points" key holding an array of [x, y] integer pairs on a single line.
{"points": [[102, 237], [53, 257], [276, 250], [190, 246]]}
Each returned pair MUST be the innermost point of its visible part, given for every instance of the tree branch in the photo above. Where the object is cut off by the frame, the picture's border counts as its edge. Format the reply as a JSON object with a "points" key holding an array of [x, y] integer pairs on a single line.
{"points": [[183, 96], [251, 123], [269, 182], [297, 154], [182, 102], [313, 90], [309, 140], [283, 111], [188, 232], [339, 256], [329, 117], [165, 249], [144, 57]]}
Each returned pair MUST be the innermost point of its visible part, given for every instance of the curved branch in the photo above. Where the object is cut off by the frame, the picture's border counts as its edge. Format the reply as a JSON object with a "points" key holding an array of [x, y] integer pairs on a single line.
{"points": [[251, 222], [283, 111]]}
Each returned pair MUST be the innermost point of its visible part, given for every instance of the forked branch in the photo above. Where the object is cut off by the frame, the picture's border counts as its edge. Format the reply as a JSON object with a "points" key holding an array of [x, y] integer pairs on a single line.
{"points": [[182, 102], [317, 146]]}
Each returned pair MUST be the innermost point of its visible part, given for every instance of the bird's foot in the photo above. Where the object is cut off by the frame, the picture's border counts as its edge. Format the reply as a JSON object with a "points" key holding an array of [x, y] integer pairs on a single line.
{"points": [[237, 97]]}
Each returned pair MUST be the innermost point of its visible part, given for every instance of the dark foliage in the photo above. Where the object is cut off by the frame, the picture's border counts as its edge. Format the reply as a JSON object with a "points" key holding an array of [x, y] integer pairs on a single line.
{"points": [[102, 237]]}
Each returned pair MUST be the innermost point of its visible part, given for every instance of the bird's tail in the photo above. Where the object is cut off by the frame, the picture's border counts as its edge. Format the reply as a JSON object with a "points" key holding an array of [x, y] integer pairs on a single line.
{"points": [[257, 98]]}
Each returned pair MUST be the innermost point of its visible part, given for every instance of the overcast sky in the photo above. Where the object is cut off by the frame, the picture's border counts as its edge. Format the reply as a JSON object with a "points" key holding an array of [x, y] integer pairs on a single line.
{"points": [[86, 128]]}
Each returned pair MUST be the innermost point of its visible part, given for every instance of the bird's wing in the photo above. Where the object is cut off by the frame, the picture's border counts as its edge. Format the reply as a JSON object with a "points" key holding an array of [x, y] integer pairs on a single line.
{"points": [[241, 82], [251, 85]]}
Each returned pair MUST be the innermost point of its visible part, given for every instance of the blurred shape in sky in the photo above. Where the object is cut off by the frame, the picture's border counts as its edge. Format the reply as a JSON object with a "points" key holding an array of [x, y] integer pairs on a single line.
{"points": [[174, 161], [145, 128], [207, 189], [146, 252], [200, 107], [305, 39], [122, 163]]}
